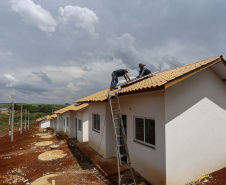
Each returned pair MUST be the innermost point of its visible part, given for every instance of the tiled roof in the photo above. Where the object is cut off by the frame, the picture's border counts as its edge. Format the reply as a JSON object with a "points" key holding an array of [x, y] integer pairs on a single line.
{"points": [[72, 108], [43, 118], [161, 80], [53, 116]]}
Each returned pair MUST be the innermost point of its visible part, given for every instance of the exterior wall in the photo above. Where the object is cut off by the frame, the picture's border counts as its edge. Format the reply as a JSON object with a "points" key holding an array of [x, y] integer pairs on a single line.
{"points": [[148, 161], [83, 135], [60, 123], [195, 127], [85, 126], [45, 123], [79, 116], [54, 123], [97, 140]]}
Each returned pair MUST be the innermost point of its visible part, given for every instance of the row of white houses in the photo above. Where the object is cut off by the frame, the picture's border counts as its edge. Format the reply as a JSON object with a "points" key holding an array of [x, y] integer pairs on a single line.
{"points": [[175, 122]]}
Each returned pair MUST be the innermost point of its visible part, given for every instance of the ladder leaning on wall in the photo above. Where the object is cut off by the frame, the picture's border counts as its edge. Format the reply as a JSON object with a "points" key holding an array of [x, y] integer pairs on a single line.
{"points": [[119, 135]]}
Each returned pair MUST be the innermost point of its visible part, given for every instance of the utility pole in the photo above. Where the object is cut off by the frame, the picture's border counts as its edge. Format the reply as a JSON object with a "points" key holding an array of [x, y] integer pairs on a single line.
{"points": [[21, 128], [9, 116], [28, 121], [12, 121], [25, 119]]}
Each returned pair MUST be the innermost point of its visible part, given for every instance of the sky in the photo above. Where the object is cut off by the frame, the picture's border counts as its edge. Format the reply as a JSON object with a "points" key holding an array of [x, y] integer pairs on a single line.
{"points": [[58, 51]]}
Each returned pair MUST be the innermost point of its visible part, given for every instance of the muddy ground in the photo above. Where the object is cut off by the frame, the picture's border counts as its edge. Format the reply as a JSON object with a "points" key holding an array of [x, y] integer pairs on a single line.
{"points": [[19, 162]]}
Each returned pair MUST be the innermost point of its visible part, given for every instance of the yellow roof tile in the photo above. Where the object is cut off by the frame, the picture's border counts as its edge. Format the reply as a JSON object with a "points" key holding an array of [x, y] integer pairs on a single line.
{"points": [[43, 118], [159, 80], [72, 108]]}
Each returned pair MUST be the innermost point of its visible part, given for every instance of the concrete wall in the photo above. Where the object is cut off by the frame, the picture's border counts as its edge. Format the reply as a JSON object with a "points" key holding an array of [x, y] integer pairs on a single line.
{"points": [[85, 126], [195, 127], [44, 123], [97, 140], [148, 161], [60, 122], [79, 116], [82, 135]]}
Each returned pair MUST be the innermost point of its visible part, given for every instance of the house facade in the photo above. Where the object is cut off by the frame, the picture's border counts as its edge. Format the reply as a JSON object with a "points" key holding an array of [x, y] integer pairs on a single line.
{"points": [[174, 121], [53, 121], [44, 122], [73, 121]]}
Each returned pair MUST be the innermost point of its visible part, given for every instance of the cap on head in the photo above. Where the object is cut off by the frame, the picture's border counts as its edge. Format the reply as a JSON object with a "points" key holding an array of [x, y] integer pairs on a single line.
{"points": [[127, 70], [141, 65]]}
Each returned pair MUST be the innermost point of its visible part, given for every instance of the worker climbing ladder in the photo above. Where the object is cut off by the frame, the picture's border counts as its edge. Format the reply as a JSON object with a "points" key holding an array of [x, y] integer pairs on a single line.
{"points": [[120, 137]]}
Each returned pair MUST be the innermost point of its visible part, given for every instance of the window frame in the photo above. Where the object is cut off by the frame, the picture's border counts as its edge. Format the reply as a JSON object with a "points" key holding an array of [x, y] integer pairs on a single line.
{"points": [[144, 139], [79, 124], [95, 129]]}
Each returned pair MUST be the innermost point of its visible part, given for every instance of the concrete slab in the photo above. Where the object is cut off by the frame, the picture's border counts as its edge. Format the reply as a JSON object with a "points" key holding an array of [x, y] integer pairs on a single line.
{"points": [[47, 137], [44, 143], [52, 155], [42, 134], [44, 180], [107, 167]]}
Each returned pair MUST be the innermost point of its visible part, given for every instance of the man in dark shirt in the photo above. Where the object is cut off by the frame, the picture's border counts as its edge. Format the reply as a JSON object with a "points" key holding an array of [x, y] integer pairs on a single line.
{"points": [[143, 70], [115, 75]]}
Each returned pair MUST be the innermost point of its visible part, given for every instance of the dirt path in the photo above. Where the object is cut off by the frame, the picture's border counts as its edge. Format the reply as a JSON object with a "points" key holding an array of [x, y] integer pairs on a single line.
{"points": [[19, 162]]}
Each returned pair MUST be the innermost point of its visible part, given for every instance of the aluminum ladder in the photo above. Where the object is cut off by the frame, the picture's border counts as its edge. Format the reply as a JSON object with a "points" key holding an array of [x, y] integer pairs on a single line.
{"points": [[119, 134]]}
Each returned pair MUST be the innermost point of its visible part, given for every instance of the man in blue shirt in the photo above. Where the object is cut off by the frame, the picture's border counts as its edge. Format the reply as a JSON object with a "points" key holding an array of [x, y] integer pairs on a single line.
{"points": [[143, 71], [115, 75]]}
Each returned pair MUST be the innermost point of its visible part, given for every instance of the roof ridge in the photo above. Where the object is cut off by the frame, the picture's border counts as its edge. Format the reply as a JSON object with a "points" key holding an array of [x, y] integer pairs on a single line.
{"points": [[219, 56]]}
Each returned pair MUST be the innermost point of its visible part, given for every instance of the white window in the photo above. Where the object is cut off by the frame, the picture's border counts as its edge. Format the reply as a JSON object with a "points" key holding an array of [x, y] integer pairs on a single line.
{"points": [[79, 125], [145, 131], [96, 122]]}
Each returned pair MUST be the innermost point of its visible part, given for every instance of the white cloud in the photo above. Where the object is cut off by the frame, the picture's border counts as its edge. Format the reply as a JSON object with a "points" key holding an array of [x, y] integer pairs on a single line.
{"points": [[81, 18], [10, 80], [34, 14], [70, 85]]}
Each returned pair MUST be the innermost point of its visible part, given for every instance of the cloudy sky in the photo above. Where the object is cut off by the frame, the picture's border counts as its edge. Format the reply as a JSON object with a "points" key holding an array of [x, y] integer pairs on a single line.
{"points": [[58, 51]]}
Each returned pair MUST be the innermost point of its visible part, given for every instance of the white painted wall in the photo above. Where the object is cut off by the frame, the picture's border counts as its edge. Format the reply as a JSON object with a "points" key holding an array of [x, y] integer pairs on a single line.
{"points": [[85, 126], [44, 123], [54, 123], [97, 140], [148, 161], [60, 122], [79, 116], [195, 127]]}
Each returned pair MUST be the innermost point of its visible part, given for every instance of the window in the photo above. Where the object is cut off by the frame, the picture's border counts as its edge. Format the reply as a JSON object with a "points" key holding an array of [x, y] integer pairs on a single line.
{"points": [[67, 121], [145, 131], [96, 122], [79, 125]]}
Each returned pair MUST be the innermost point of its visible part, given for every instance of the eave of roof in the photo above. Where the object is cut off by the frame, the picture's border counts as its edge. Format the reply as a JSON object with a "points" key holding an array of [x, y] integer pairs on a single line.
{"points": [[159, 81], [72, 108]]}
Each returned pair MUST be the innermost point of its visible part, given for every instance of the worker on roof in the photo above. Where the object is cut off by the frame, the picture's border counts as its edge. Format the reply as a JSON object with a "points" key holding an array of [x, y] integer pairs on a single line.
{"points": [[143, 70], [115, 75]]}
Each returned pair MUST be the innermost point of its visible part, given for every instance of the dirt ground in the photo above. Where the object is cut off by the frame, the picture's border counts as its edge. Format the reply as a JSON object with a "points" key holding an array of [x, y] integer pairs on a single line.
{"points": [[19, 163]]}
